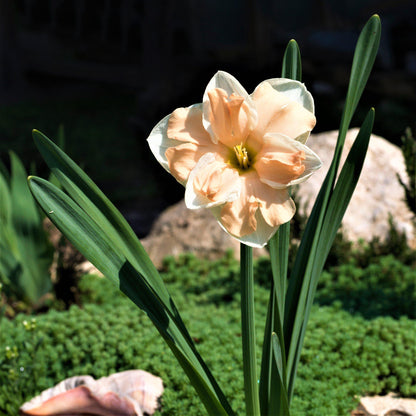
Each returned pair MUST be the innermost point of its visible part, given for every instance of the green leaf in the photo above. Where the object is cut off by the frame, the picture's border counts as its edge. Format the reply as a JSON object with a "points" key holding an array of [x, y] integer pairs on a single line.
{"points": [[337, 206], [292, 63], [364, 57], [30, 243], [279, 361], [25, 213], [61, 143], [267, 389], [89, 197], [102, 244], [344, 188], [301, 283], [80, 228], [10, 267], [271, 375], [4, 172], [5, 201], [270, 389], [279, 258]]}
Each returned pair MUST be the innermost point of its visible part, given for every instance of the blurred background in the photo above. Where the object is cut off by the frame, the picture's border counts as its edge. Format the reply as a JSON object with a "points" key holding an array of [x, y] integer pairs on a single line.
{"points": [[108, 71]]}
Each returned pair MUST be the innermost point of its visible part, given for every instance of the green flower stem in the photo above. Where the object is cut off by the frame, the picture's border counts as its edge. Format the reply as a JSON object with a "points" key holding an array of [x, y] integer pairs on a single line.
{"points": [[248, 331]]}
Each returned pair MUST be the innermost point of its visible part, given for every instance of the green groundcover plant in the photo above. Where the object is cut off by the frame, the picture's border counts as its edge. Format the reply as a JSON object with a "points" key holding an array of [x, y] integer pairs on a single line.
{"points": [[385, 287], [345, 356], [238, 155]]}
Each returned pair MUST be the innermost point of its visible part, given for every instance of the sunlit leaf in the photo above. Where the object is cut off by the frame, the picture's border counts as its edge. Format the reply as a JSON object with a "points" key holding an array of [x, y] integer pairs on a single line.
{"points": [[309, 257]]}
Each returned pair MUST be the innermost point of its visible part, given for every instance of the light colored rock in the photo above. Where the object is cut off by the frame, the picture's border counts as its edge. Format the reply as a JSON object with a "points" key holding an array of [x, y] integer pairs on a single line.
{"points": [[378, 191], [181, 230], [389, 405]]}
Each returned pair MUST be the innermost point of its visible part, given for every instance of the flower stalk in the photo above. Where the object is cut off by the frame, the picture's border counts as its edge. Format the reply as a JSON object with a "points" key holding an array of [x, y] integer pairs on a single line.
{"points": [[248, 331]]}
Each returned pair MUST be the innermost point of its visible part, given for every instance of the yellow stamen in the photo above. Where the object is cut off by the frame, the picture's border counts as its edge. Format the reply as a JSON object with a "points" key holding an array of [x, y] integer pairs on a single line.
{"points": [[242, 156]]}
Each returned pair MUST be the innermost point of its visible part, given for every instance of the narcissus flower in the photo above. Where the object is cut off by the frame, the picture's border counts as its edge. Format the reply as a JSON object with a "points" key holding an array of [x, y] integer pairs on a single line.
{"points": [[237, 154]]}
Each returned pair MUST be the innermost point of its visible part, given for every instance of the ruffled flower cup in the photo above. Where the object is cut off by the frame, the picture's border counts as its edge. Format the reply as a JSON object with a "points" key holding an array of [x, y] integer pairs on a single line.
{"points": [[238, 154]]}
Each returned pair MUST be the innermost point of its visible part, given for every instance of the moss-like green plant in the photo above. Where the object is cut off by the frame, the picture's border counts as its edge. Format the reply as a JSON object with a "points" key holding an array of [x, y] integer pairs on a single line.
{"points": [[340, 360], [384, 288]]}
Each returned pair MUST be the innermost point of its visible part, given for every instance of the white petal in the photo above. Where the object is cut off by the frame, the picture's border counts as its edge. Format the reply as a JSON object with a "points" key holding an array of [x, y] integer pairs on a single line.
{"points": [[259, 238], [228, 83], [312, 161], [194, 200], [294, 90], [231, 85], [159, 142]]}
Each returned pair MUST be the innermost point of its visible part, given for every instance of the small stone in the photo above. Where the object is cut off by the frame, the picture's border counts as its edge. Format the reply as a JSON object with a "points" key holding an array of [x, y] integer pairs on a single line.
{"points": [[389, 405], [128, 393]]}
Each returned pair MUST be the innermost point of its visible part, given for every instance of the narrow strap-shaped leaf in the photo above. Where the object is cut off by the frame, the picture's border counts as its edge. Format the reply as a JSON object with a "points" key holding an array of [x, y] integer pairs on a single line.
{"points": [[90, 198], [279, 250], [270, 389], [370, 31], [279, 246], [10, 266], [144, 297], [292, 63], [5, 201], [61, 143], [284, 402], [98, 247], [25, 213], [300, 281], [337, 206], [84, 191], [344, 188], [87, 195], [364, 57], [273, 373], [209, 400], [4, 172], [266, 392], [362, 64], [33, 248], [86, 235]]}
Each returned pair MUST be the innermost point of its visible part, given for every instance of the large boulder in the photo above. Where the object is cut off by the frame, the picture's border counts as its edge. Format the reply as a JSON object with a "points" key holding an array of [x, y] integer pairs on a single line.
{"points": [[181, 230], [378, 194]]}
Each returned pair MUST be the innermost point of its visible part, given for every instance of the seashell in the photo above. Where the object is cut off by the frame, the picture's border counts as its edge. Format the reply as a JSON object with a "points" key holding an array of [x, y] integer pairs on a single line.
{"points": [[129, 393]]}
